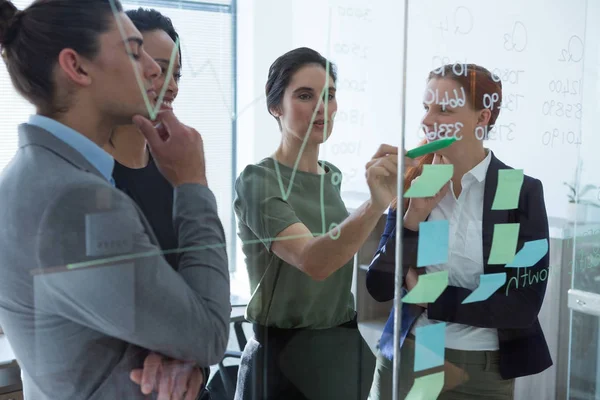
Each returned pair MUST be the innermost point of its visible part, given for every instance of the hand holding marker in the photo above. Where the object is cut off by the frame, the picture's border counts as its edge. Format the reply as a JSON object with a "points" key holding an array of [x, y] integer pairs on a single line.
{"points": [[430, 147]]}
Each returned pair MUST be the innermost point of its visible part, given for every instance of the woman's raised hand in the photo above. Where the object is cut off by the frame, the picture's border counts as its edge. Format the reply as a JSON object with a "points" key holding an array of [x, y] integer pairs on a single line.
{"points": [[382, 175]]}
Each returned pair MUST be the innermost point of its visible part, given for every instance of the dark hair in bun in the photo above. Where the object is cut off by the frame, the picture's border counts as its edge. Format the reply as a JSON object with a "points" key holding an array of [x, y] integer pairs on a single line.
{"points": [[32, 39], [8, 14]]}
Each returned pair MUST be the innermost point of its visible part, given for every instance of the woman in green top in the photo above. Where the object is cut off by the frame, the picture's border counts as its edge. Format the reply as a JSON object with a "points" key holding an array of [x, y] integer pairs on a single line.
{"points": [[299, 242]]}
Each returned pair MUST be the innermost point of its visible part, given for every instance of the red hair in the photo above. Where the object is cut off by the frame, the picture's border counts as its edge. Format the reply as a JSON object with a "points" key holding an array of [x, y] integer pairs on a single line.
{"points": [[477, 82]]}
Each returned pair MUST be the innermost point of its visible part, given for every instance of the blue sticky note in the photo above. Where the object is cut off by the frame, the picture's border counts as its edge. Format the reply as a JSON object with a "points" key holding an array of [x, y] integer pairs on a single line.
{"points": [[488, 284], [530, 254], [433, 243], [429, 346]]}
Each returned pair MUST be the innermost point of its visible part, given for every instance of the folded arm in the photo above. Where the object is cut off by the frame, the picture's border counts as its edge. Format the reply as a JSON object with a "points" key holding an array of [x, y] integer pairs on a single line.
{"points": [[272, 219], [118, 283], [516, 308], [380, 276]]}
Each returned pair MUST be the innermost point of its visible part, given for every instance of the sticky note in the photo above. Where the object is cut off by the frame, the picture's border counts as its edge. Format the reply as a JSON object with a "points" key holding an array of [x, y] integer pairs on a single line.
{"points": [[433, 243], [101, 238], [427, 387], [532, 252], [488, 284], [428, 288], [433, 178], [429, 346], [504, 243], [508, 189]]}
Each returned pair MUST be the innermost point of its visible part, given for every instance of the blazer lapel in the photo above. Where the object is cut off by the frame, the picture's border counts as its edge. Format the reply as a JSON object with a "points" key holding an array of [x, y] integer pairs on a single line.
{"points": [[31, 135], [491, 217]]}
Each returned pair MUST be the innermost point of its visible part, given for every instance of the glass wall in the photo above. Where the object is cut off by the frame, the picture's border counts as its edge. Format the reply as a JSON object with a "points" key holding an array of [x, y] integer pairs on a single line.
{"points": [[542, 62], [305, 108], [582, 379]]}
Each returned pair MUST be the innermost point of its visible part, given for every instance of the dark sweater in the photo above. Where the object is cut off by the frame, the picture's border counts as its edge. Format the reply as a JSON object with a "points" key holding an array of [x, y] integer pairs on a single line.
{"points": [[154, 195]]}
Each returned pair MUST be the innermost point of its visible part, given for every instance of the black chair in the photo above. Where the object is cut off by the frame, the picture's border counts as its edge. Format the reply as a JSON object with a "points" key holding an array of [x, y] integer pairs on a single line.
{"points": [[222, 385], [10, 381]]}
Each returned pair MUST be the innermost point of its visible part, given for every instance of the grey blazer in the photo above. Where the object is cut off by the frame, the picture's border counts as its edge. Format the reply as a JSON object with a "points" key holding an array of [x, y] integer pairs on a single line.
{"points": [[85, 293]]}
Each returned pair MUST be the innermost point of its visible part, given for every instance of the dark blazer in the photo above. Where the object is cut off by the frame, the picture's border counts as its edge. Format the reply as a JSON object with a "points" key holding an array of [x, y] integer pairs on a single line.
{"points": [[512, 310]]}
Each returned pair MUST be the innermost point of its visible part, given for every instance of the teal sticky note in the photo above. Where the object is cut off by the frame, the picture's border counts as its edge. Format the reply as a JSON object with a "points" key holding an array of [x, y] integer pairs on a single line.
{"points": [[509, 186], [427, 387], [433, 178], [429, 346], [532, 252], [433, 243], [504, 243], [488, 284], [428, 288]]}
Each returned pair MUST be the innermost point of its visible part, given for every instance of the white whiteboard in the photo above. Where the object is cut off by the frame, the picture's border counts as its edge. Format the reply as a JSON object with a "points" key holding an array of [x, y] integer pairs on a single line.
{"points": [[536, 48]]}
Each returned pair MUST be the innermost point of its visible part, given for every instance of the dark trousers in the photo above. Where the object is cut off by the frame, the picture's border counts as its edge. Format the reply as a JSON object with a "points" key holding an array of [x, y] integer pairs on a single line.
{"points": [[306, 364], [468, 375]]}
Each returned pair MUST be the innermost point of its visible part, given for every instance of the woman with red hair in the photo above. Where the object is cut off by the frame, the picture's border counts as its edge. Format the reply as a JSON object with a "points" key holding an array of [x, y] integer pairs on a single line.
{"points": [[491, 342]]}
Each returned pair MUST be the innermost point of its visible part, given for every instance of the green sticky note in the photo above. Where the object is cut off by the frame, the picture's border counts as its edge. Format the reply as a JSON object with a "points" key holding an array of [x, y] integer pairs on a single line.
{"points": [[504, 243], [428, 288], [427, 387], [433, 178], [508, 190]]}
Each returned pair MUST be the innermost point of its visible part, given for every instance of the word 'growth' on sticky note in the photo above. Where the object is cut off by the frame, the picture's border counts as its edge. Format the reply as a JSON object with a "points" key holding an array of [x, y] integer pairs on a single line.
{"points": [[504, 243], [433, 243], [508, 190], [429, 346], [488, 284], [428, 288], [427, 387], [433, 178], [530, 254]]}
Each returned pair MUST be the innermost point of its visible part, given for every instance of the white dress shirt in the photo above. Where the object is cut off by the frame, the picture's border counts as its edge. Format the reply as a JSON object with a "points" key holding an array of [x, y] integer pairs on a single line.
{"points": [[465, 255]]}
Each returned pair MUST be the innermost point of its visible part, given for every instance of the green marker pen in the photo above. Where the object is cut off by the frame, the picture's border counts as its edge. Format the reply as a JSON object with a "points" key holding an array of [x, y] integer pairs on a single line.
{"points": [[430, 147]]}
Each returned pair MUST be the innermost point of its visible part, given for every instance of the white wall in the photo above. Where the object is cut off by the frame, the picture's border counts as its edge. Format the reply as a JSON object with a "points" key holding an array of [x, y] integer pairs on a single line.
{"points": [[365, 42], [274, 27], [591, 98], [263, 35]]}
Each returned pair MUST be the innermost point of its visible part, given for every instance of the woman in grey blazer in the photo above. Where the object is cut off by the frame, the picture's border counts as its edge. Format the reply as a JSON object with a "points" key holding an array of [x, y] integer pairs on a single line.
{"points": [[85, 294]]}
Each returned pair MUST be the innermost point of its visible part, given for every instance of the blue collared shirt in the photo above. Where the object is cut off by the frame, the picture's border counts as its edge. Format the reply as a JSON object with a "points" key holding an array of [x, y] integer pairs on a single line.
{"points": [[90, 150]]}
